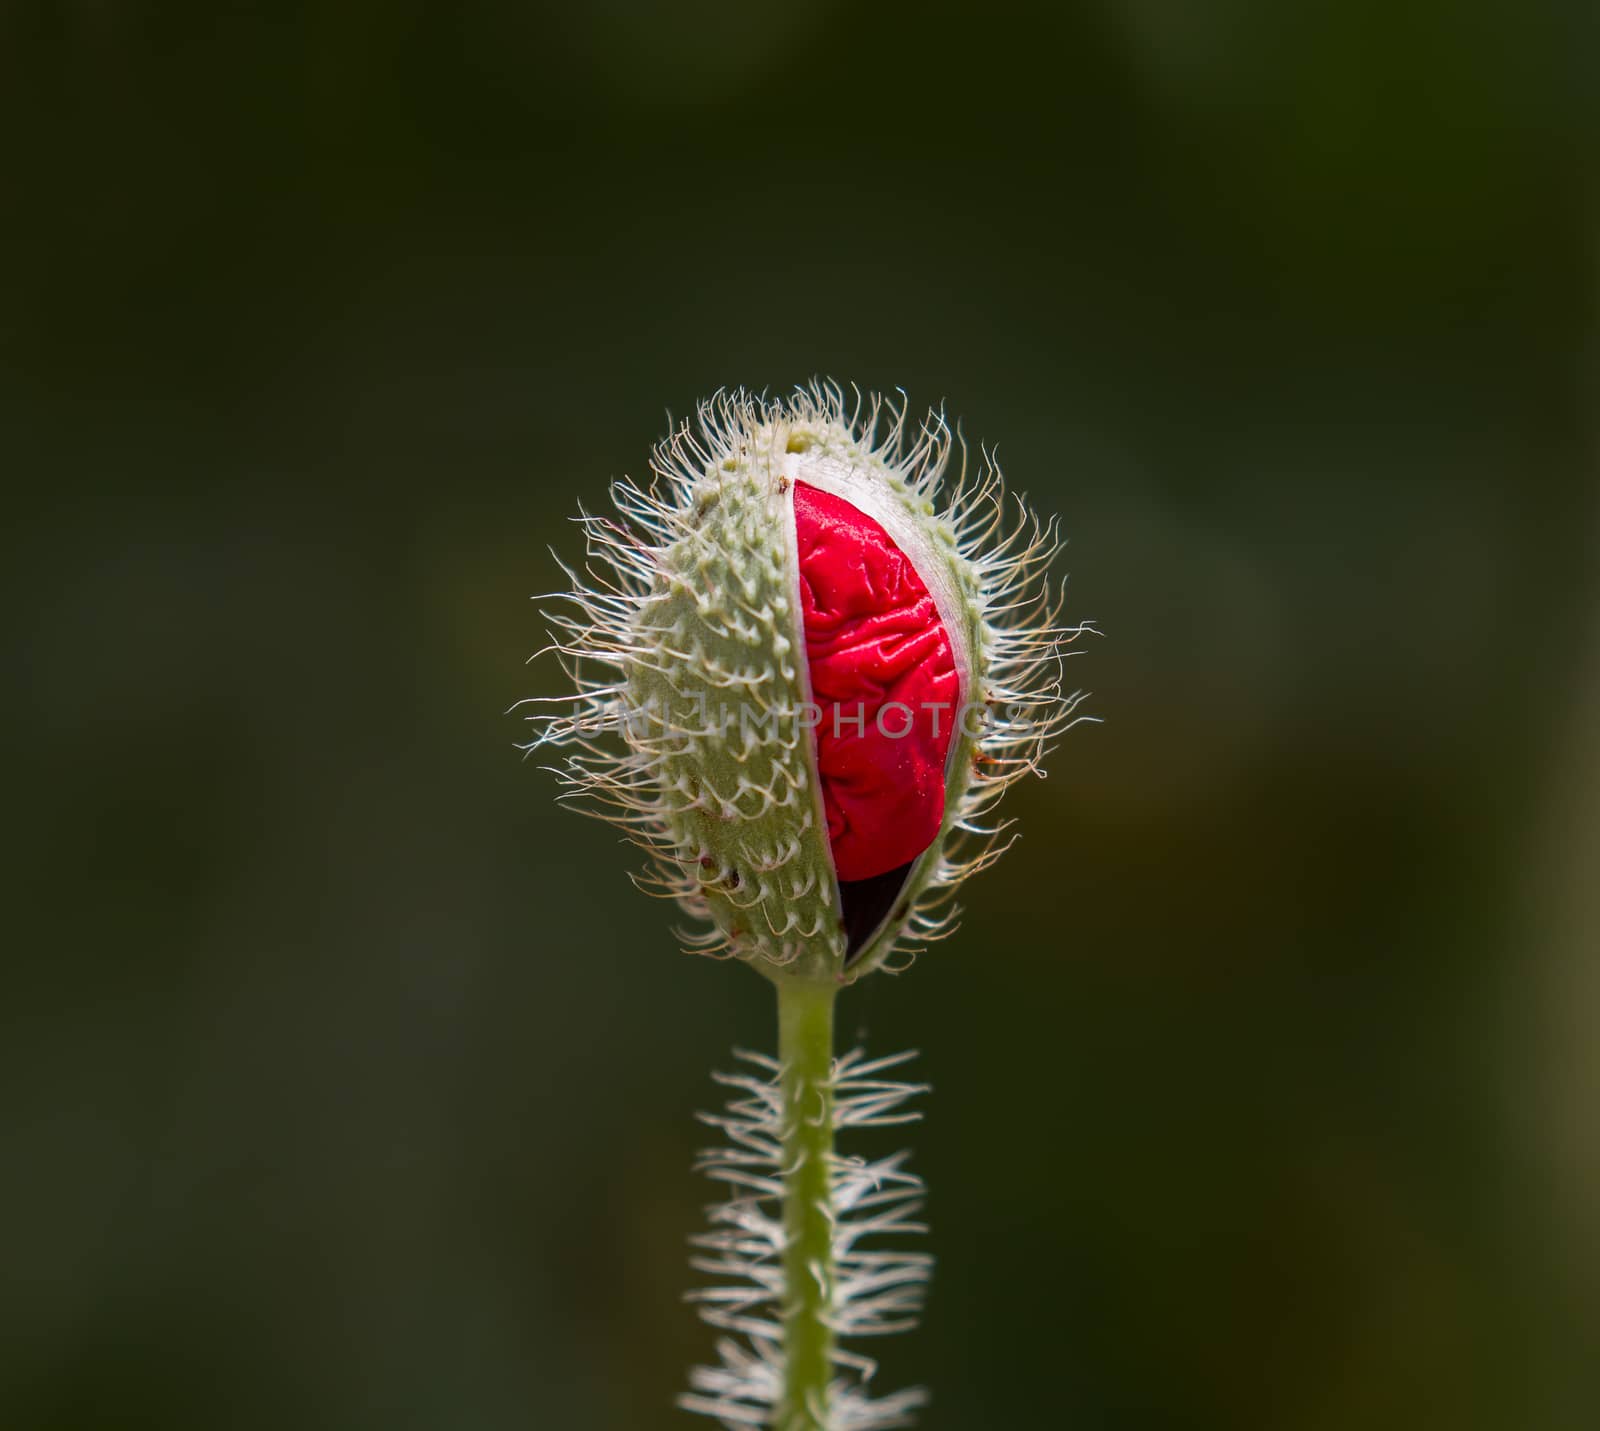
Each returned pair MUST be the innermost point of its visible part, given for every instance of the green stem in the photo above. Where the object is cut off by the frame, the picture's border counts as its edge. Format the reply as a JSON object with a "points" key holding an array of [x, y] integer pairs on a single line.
{"points": [[805, 1051]]}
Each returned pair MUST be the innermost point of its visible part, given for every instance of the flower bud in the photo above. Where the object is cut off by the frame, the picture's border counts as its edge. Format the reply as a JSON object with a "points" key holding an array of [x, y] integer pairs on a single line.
{"points": [[803, 681]]}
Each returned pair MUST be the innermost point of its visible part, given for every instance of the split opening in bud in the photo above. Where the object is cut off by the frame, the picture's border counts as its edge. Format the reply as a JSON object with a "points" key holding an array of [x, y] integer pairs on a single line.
{"points": [[883, 672]]}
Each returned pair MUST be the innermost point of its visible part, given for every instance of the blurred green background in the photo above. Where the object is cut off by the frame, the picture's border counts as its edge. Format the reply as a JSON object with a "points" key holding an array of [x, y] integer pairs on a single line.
{"points": [[346, 1083]]}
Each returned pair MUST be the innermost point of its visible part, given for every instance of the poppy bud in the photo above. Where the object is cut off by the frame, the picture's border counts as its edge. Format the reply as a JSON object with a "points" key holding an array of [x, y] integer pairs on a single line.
{"points": [[803, 679]]}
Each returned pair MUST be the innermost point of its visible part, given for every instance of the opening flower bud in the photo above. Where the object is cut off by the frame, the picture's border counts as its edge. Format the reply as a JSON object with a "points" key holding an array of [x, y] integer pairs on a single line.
{"points": [[803, 679]]}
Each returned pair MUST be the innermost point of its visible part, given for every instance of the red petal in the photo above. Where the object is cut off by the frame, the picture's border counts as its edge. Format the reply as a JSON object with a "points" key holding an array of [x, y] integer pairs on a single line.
{"points": [[874, 640]]}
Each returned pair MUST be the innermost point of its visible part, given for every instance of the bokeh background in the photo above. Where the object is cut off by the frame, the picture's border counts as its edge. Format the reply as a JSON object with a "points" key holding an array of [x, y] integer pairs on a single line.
{"points": [[345, 1083]]}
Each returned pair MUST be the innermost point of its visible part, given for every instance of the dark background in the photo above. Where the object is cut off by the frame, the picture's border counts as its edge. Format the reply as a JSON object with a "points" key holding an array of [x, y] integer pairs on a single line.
{"points": [[346, 1083]]}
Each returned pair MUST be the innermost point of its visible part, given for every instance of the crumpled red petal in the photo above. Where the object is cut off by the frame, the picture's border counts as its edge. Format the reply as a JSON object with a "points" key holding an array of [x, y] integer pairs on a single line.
{"points": [[884, 673]]}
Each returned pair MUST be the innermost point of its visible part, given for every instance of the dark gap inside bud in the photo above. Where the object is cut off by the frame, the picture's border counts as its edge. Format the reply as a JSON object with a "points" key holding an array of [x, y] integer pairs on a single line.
{"points": [[866, 904]]}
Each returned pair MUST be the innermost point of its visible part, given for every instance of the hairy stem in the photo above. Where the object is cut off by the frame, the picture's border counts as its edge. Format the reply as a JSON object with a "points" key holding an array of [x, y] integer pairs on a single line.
{"points": [[805, 1053]]}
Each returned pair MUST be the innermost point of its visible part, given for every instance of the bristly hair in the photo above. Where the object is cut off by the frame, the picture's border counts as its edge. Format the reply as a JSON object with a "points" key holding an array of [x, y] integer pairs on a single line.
{"points": [[634, 777], [875, 1290]]}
